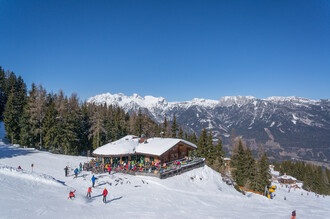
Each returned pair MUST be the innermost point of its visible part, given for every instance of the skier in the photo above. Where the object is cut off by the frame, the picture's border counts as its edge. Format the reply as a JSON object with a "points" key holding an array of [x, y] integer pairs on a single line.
{"points": [[71, 195], [93, 180], [109, 169], [293, 215], [32, 167], [105, 193], [19, 167], [80, 166], [76, 172], [66, 170], [89, 191]]}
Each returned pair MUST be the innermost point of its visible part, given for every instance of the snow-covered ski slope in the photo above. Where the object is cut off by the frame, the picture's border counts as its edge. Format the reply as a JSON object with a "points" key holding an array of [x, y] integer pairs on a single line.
{"points": [[200, 193]]}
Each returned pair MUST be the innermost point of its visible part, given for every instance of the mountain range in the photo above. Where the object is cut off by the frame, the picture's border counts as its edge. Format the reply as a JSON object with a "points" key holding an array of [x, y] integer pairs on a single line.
{"points": [[287, 127]]}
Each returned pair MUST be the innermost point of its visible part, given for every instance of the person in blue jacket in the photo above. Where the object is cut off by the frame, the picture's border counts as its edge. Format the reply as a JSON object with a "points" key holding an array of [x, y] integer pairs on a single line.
{"points": [[93, 180], [76, 172]]}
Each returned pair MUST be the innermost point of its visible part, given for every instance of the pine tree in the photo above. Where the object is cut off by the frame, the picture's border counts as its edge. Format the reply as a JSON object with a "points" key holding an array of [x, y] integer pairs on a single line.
{"points": [[139, 124], [174, 127], [202, 144], [165, 127], [2, 93], [186, 136], [264, 176], [37, 110], [97, 127], [238, 161], [11, 117], [211, 150], [219, 153], [251, 170], [50, 124], [26, 136], [180, 133]]}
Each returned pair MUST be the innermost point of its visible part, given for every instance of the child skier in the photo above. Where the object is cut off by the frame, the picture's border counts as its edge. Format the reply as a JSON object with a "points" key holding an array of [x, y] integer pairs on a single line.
{"points": [[71, 195], [89, 191], [105, 193]]}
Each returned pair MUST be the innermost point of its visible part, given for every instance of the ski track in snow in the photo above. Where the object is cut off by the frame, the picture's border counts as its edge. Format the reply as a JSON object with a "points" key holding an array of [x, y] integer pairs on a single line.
{"points": [[199, 193]]}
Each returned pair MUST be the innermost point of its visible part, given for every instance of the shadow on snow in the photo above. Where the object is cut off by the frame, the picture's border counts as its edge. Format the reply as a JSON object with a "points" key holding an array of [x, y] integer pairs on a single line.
{"points": [[7, 151]]}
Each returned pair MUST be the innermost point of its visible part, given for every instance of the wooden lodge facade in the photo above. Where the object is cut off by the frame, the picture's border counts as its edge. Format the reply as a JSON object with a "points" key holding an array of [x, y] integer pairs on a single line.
{"points": [[129, 148]]}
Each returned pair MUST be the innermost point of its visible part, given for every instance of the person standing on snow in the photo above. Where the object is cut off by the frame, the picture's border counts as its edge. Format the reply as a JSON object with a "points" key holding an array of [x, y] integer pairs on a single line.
{"points": [[105, 193], [93, 180], [66, 170], [109, 169], [76, 172], [89, 191], [293, 215]]}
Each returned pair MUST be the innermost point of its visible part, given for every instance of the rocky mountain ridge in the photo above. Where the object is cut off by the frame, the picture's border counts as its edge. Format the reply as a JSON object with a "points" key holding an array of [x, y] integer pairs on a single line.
{"points": [[287, 127]]}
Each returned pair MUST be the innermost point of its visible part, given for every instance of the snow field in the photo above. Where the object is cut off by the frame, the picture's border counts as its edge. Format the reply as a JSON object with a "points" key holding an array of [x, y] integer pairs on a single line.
{"points": [[43, 193]]}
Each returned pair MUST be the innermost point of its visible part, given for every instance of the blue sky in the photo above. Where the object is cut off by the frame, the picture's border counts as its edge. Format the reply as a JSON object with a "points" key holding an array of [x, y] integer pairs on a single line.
{"points": [[175, 49]]}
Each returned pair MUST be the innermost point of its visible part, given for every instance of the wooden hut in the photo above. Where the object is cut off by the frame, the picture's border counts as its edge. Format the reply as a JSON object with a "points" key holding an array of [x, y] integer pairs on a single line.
{"points": [[153, 149], [285, 179]]}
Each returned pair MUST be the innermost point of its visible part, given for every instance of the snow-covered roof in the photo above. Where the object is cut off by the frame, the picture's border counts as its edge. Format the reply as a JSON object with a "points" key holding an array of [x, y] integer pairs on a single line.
{"points": [[226, 158], [286, 177], [130, 145], [158, 146], [125, 145]]}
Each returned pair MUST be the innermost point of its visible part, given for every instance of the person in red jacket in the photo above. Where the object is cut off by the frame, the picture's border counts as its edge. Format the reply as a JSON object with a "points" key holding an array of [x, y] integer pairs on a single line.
{"points": [[105, 193], [71, 195], [89, 191], [109, 169]]}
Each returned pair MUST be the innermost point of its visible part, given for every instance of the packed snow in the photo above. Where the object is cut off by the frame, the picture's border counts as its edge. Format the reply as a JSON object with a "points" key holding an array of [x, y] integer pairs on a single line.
{"points": [[42, 192]]}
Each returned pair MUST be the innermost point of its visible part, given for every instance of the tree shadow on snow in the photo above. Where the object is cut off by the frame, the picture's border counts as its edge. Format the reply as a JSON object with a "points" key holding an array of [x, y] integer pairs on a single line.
{"points": [[114, 199], [7, 151]]}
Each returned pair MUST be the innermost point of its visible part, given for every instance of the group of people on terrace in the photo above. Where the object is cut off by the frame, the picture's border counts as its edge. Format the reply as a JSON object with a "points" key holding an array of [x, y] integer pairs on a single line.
{"points": [[136, 166]]}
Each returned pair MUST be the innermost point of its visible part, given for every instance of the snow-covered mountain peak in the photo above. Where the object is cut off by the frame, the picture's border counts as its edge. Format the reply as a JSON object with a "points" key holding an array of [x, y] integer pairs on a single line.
{"points": [[204, 102], [235, 100], [291, 99], [124, 101]]}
